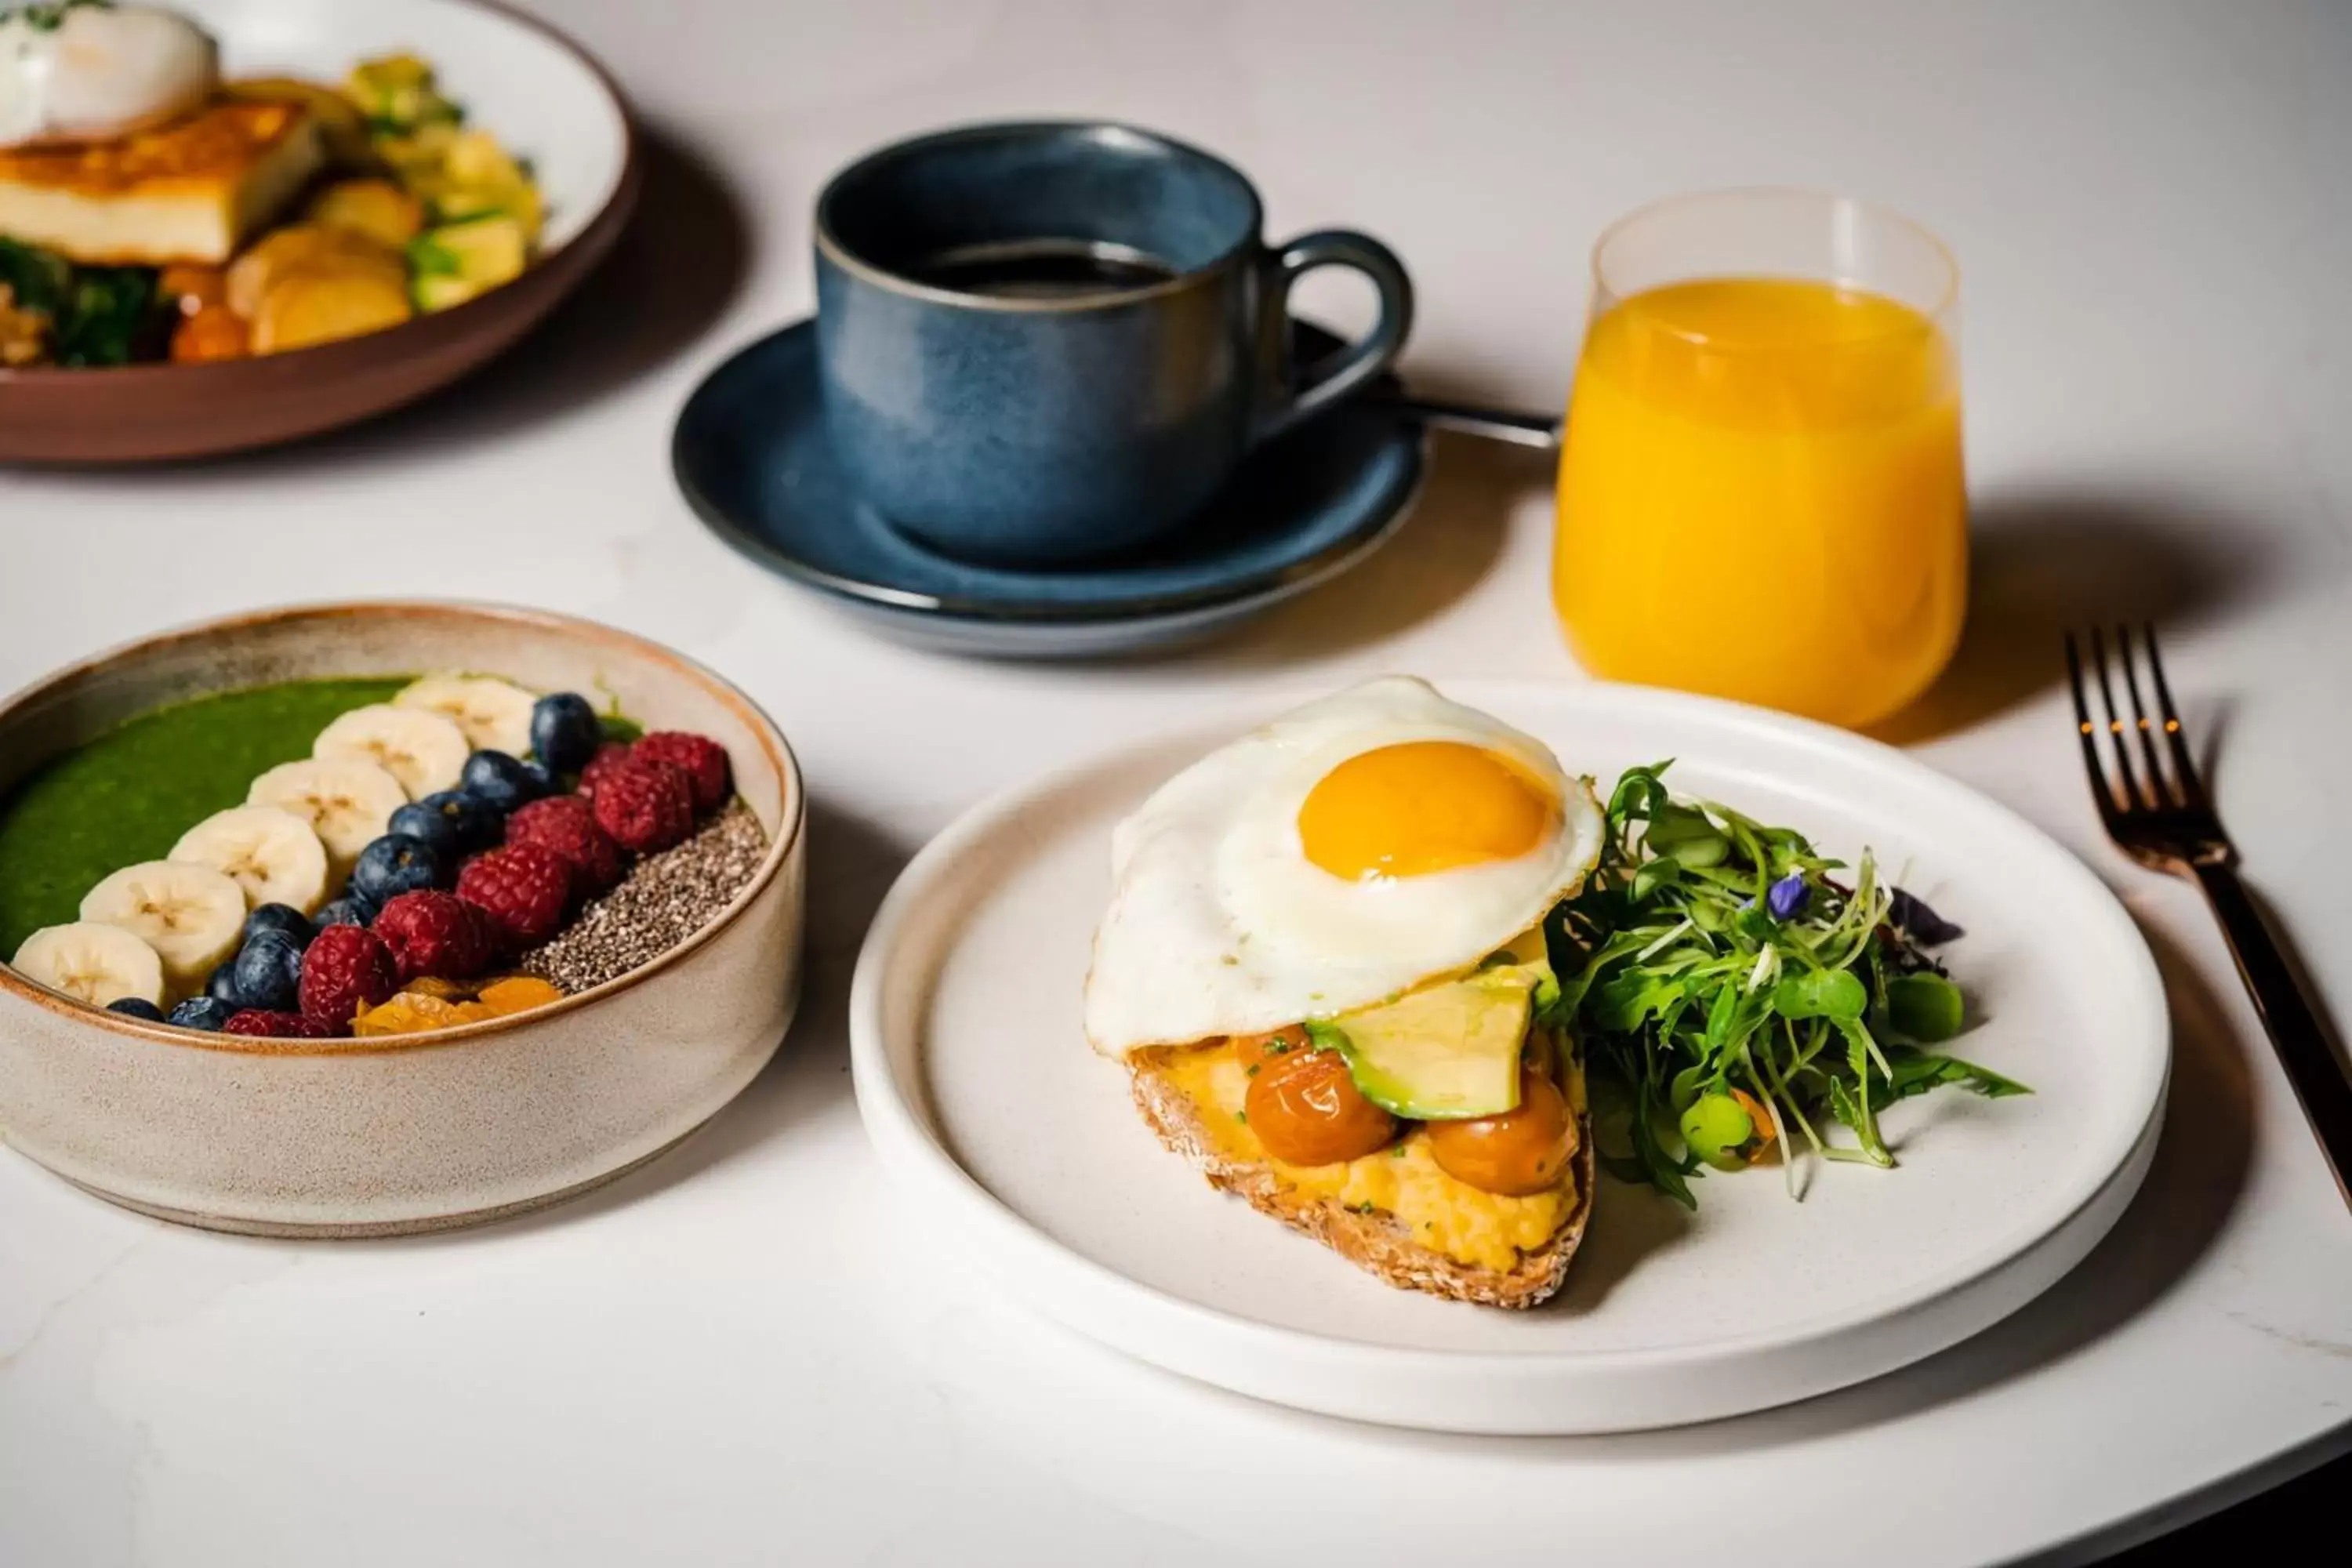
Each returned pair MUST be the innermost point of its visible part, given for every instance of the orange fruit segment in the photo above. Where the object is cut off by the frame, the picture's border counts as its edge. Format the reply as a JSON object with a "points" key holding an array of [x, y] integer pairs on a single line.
{"points": [[443, 1004], [429, 1003], [518, 994], [408, 1012], [447, 990]]}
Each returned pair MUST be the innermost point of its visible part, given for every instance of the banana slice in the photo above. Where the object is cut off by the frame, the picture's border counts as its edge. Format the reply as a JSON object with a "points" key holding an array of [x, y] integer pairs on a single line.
{"points": [[191, 915], [423, 749], [345, 802], [494, 714], [92, 963], [267, 850]]}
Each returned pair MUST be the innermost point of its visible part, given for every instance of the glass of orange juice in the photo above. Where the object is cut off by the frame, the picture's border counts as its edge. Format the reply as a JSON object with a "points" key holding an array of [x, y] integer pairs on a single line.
{"points": [[1760, 493]]}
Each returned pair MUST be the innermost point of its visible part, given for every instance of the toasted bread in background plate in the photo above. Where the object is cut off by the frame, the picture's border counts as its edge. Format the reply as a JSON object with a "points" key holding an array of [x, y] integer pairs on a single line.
{"points": [[192, 191]]}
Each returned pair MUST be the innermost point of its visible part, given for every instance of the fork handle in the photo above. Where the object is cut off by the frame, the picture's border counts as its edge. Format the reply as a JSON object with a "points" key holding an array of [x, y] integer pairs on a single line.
{"points": [[2320, 1079]]}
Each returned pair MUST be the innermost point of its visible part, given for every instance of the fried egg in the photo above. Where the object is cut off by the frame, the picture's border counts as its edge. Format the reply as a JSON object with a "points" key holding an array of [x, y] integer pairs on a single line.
{"points": [[90, 73], [1334, 859]]}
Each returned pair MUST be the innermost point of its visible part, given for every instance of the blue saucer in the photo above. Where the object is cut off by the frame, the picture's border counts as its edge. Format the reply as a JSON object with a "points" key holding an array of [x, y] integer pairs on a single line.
{"points": [[750, 454]]}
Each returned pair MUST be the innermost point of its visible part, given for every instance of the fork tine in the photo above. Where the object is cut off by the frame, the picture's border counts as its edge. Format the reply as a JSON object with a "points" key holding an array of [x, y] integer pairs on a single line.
{"points": [[2103, 789], [2184, 766], [2128, 785], [2160, 790]]}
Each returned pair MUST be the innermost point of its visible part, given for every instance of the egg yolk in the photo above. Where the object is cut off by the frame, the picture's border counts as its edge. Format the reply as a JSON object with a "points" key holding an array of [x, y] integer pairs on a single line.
{"points": [[1422, 807]]}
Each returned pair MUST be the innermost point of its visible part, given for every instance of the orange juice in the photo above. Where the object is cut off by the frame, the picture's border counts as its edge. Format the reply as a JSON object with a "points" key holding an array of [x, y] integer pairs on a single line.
{"points": [[1760, 497]]}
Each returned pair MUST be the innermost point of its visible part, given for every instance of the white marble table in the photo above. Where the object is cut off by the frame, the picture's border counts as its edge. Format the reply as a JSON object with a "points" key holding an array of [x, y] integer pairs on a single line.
{"points": [[735, 1355]]}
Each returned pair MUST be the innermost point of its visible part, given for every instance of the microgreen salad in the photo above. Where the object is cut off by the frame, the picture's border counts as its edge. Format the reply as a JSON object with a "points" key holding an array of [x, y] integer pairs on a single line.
{"points": [[1731, 991]]}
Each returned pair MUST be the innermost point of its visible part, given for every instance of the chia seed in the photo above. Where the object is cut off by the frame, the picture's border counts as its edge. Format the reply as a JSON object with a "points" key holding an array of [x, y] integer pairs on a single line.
{"points": [[663, 899]]}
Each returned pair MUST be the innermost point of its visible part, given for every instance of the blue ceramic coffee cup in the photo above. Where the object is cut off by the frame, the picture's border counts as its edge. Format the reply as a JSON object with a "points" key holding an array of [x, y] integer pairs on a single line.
{"points": [[1049, 342]]}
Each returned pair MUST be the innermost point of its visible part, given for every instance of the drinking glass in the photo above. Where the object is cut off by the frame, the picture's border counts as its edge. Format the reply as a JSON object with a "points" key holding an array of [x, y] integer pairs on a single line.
{"points": [[1760, 488]]}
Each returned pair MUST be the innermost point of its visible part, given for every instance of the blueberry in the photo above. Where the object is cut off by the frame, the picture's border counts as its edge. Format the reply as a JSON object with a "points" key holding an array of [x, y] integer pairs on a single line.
{"points": [[419, 820], [497, 780], [394, 864], [206, 1013], [269, 970], [280, 917], [475, 824], [564, 732], [136, 1007], [221, 986], [543, 783], [351, 910]]}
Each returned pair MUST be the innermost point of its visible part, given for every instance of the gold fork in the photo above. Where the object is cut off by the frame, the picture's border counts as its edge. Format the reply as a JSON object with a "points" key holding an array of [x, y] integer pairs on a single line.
{"points": [[2162, 817]]}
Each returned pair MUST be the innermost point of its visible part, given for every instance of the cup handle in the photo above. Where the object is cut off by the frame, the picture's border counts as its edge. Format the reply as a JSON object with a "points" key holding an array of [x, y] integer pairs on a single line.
{"points": [[1287, 404]]}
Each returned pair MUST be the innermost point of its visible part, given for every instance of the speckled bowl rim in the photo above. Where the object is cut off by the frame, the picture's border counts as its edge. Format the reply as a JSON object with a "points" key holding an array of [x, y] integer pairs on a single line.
{"points": [[791, 819], [224, 377]]}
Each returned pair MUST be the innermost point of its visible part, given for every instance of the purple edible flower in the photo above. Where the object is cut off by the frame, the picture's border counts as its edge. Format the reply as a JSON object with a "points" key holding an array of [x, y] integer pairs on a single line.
{"points": [[1788, 897]]}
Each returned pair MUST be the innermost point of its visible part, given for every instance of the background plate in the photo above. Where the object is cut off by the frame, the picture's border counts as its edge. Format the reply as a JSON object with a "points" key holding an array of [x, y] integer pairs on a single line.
{"points": [[543, 98], [986, 1103]]}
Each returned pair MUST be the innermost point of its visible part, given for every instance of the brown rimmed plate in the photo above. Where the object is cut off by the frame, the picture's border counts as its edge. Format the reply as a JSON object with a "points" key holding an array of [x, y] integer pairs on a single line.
{"points": [[543, 96]]}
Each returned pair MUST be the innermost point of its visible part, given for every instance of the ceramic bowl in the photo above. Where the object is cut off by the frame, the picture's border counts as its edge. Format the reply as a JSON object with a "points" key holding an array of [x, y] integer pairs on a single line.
{"points": [[542, 95], [387, 1135]]}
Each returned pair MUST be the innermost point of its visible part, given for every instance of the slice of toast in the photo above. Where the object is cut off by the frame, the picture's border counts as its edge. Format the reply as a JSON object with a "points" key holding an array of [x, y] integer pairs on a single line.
{"points": [[1373, 1241], [192, 191]]}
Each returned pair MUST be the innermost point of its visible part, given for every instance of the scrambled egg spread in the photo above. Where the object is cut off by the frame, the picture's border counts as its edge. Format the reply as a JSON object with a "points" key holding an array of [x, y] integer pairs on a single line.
{"points": [[1471, 1226]]}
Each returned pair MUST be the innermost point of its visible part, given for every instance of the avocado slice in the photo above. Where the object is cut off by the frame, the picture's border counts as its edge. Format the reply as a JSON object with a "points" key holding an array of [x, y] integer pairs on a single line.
{"points": [[1446, 1052], [440, 291], [484, 250]]}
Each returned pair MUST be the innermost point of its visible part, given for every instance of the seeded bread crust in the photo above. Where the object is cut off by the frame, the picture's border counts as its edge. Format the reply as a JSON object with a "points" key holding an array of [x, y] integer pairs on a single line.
{"points": [[1374, 1241]]}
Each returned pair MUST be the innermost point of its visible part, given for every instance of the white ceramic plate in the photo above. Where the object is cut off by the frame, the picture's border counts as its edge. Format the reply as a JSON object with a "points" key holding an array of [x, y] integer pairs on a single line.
{"points": [[1020, 1145]]}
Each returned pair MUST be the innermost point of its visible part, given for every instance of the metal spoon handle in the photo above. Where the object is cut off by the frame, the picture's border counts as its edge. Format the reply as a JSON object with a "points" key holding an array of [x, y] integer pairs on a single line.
{"points": [[1520, 429]]}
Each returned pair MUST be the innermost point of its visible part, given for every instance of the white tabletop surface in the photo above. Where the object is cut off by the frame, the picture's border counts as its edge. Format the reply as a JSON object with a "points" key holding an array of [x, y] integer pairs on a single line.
{"points": [[738, 1355]]}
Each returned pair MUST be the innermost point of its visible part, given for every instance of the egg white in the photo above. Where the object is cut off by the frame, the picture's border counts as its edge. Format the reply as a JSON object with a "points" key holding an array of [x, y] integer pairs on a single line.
{"points": [[99, 72], [1219, 924]]}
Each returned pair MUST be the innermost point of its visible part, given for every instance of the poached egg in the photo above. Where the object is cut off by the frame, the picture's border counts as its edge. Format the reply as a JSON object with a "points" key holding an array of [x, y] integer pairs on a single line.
{"points": [[78, 72]]}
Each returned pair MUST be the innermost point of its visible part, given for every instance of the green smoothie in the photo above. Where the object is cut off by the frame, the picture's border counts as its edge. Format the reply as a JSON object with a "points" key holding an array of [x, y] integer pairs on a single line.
{"points": [[127, 795]]}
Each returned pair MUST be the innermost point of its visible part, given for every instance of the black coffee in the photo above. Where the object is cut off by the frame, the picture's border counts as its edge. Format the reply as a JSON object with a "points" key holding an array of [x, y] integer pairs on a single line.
{"points": [[1042, 270]]}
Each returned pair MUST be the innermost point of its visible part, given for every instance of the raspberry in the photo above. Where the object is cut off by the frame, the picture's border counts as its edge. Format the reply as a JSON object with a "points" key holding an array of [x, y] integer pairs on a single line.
{"points": [[522, 889], [566, 824], [645, 805], [702, 758], [346, 968], [609, 755], [434, 933], [279, 1025]]}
